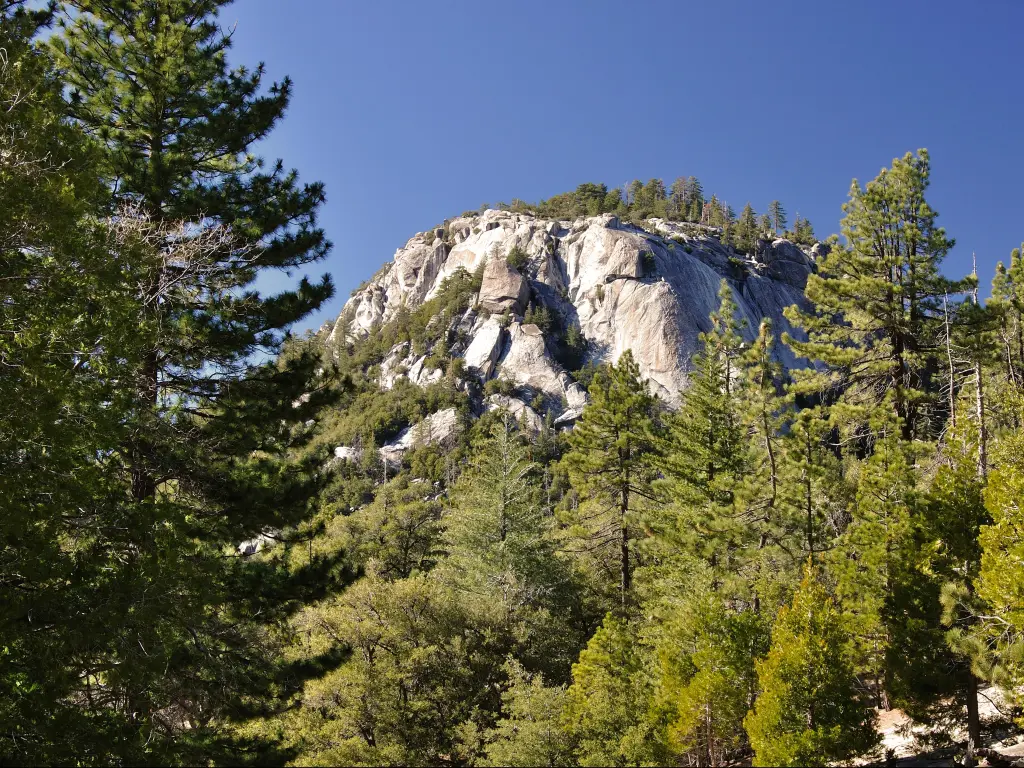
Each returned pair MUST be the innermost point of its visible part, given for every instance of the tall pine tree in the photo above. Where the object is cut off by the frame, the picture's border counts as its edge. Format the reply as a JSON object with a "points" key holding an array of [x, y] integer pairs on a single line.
{"points": [[877, 300], [211, 413], [610, 465]]}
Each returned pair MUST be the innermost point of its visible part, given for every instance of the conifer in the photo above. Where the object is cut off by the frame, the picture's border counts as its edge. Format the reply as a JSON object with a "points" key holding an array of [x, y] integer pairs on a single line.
{"points": [[610, 464], [876, 320], [704, 454], [777, 216], [213, 409], [809, 711]]}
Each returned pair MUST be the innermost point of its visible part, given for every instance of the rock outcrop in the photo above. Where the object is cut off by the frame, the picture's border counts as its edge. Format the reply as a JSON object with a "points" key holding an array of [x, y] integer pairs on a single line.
{"points": [[436, 429], [647, 289], [503, 288]]}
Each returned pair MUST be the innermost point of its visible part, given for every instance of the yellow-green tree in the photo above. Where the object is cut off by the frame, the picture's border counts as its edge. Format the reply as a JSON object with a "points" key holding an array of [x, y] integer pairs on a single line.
{"points": [[809, 710]]}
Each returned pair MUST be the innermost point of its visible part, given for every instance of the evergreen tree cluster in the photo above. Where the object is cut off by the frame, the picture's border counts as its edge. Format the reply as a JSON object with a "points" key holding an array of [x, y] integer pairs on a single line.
{"points": [[192, 575], [682, 201]]}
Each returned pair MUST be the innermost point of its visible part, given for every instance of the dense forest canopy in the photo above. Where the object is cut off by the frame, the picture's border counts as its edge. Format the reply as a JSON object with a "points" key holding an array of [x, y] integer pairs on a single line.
{"points": [[752, 576]]}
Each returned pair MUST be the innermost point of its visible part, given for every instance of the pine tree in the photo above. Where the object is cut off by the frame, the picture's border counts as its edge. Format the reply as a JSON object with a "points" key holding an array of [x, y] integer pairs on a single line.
{"points": [[677, 198], [400, 531], [212, 413], [876, 555], [532, 731], [809, 711], [876, 322], [610, 465], [179, 127], [704, 455], [634, 191], [746, 230], [501, 558], [803, 232], [606, 705], [764, 226], [696, 210], [70, 334], [953, 514], [406, 685], [1001, 577], [777, 215], [706, 677], [777, 487], [1007, 304]]}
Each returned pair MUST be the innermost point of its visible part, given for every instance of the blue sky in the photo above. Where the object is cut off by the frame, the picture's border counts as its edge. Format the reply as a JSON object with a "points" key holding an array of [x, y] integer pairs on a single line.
{"points": [[412, 112]]}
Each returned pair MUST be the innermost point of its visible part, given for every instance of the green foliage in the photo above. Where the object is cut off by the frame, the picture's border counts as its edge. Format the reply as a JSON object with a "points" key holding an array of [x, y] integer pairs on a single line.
{"points": [[540, 316], [442, 608], [610, 464], [777, 216], [399, 531], [1000, 578], [706, 680], [609, 681], [703, 459], [887, 289], [517, 259], [808, 711], [747, 230], [531, 732], [648, 264], [407, 681]]}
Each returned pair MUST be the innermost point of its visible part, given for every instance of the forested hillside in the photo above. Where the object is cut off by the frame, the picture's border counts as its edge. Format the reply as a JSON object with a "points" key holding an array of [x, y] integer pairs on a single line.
{"points": [[222, 543]]}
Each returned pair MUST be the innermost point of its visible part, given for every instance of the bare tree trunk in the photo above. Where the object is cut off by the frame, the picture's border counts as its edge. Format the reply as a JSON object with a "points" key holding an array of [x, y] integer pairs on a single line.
{"points": [[952, 370]]}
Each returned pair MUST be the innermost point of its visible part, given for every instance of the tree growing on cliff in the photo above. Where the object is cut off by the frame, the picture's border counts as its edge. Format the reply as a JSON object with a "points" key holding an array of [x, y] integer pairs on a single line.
{"points": [[777, 215]]}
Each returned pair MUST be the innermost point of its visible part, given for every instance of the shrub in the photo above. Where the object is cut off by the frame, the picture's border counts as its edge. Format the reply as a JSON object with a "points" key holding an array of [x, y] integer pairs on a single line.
{"points": [[517, 258], [539, 316], [501, 386], [647, 263]]}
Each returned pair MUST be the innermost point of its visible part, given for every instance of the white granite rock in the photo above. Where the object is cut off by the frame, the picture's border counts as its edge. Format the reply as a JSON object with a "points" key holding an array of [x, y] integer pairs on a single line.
{"points": [[650, 290]]}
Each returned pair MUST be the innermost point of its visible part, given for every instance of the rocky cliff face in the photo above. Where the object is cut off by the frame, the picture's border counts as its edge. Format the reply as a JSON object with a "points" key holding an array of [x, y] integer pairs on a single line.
{"points": [[650, 290]]}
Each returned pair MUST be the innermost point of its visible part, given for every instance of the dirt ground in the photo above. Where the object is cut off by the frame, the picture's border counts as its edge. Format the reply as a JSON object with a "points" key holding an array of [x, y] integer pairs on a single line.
{"points": [[906, 746]]}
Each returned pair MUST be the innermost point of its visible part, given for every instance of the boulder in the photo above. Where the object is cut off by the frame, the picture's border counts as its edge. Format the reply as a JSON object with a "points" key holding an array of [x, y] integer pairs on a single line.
{"points": [[568, 417], [257, 543], [785, 261], [421, 375], [528, 364], [503, 288], [344, 453], [519, 410], [438, 428], [482, 352]]}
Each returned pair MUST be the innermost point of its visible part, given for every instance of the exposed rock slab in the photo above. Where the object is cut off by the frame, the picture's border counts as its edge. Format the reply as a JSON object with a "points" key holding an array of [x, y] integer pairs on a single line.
{"points": [[647, 289], [482, 352], [438, 428], [517, 409]]}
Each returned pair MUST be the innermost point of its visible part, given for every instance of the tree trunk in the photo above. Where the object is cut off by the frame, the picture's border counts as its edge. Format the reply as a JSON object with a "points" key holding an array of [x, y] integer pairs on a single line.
{"points": [[624, 555], [973, 719], [143, 484]]}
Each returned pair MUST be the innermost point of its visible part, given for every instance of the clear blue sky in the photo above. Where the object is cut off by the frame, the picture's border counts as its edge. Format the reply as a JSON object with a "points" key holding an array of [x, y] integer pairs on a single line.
{"points": [[412, 112]]}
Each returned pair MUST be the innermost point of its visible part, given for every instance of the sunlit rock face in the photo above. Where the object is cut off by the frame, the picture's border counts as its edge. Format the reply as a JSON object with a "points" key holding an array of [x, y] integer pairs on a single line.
{"points": [[648, 289]]}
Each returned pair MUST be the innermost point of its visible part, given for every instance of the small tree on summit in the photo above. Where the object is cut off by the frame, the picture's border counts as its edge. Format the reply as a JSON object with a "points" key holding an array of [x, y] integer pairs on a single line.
{"points": [[777, 215]]}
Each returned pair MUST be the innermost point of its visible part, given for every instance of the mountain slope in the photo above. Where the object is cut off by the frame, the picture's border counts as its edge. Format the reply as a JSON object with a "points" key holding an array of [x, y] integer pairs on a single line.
{"points": [[555, 294]]}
